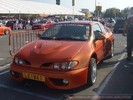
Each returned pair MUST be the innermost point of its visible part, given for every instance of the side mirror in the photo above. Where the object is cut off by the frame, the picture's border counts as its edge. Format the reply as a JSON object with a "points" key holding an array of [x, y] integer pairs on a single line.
{"points": [[101, 37]]}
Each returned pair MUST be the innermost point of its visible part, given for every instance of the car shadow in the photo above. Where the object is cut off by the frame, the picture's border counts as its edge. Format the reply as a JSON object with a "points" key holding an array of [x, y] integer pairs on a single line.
{"points": [[39, 88], [123, 62], [109, 63]]}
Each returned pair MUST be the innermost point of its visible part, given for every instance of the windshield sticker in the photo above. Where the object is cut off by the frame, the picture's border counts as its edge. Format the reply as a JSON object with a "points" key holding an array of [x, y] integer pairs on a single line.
{"points": [[87, 30]]}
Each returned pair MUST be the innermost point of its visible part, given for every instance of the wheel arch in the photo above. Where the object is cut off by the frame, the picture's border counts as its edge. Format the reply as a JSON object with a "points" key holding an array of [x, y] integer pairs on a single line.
{"points": [[94, 55], [90, 81]]}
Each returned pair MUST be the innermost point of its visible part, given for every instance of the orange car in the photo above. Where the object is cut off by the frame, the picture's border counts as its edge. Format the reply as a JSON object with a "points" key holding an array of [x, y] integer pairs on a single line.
{"points": [[65, 56], [4, 30]]}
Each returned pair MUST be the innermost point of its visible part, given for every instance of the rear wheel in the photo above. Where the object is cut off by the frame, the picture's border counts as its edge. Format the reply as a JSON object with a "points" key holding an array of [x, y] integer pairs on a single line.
{"points": [[6, 32], [92, 71]]}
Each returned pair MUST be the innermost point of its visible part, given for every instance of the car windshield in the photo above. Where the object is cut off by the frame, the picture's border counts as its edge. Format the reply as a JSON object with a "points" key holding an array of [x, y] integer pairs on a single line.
{"points": [[78, 32], [10, 22], [42, 21]]}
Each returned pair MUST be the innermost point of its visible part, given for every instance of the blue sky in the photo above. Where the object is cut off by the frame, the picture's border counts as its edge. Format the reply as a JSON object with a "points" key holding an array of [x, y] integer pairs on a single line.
{"points": [[90, 4]]}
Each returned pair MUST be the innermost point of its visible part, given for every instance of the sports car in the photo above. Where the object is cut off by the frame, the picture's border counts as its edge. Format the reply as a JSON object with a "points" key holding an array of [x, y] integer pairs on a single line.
{"points": [[65, 56], [4, 30]]}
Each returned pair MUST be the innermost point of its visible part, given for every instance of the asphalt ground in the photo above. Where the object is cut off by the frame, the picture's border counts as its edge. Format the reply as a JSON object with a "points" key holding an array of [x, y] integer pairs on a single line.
{"points": [[121, 82]]}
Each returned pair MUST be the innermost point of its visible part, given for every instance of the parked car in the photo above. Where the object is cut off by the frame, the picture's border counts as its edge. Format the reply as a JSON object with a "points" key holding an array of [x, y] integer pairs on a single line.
{"points": [[39, 25], [10, 24], [119, 26], [4, 30], [43, 24], [49, 24], [14, 25], [65, 56]]}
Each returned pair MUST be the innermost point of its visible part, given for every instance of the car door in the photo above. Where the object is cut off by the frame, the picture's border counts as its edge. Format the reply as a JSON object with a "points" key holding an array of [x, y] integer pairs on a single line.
{"points": [[99, 43], [107, 40]]}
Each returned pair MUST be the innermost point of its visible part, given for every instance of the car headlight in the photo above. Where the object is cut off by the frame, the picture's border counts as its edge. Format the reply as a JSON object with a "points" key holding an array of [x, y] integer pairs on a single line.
{"points": [[72, 64], [56, 66], [18, 61], [65, 65]]}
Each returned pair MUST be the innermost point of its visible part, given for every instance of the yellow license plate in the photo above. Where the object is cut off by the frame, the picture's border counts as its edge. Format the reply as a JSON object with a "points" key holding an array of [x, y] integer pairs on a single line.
{"points": [[33, 76]]}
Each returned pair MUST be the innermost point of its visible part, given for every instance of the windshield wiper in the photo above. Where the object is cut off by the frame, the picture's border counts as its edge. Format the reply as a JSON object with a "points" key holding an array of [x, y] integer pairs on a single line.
{"points": [[69, 38], [62, 38], [47, 38]]}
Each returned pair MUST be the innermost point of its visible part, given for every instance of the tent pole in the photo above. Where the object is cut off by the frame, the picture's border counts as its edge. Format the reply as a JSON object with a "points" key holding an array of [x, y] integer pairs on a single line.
{"points": [[9, 15], [19, 15]]}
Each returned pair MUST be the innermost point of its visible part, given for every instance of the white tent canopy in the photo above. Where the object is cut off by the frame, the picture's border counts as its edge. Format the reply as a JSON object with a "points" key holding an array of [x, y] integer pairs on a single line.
{"points": [[31, 7]]}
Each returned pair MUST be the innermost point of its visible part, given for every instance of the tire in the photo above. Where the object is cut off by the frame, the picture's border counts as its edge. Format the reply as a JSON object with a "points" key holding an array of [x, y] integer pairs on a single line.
{"points": [[6, 32], [92, 72]]}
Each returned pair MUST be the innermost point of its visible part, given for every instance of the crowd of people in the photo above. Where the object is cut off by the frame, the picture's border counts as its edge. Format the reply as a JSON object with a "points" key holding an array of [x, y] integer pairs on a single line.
{"points": [[21, 23]]}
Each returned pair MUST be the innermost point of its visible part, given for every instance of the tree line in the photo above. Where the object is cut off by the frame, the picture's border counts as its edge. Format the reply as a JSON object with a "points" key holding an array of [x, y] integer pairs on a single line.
{"points": [[115, 12]]}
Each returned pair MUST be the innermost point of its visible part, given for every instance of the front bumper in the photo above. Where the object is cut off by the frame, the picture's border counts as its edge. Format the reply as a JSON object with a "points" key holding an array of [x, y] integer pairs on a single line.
{"points": [[54, 79]]}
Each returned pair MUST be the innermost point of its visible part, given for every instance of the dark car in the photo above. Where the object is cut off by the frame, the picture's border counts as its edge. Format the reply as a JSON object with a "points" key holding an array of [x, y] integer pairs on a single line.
{"points": [[10, 24], [119, 26]]}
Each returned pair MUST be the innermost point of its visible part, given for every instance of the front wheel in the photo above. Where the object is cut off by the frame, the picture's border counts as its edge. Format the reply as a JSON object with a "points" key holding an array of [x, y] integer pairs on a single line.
{"points": [[92, 71]]}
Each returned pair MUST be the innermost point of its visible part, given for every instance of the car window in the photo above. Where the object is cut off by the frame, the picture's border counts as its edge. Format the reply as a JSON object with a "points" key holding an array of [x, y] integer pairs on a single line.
{"points": [[67, 32], [42, 21], [102, 28], [97, 31], [10, 22]]}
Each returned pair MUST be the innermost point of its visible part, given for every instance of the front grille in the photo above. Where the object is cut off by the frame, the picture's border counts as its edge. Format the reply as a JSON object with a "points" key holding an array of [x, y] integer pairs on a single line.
{"points": [[15, 74], [58, 82]]}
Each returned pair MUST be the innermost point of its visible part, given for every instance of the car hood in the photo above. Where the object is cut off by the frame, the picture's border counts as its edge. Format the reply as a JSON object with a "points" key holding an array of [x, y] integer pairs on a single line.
{"points": [[38, 24], [50, 50]]}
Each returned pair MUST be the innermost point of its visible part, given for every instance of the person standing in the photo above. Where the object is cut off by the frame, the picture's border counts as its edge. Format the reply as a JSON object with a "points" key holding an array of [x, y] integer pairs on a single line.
{"points": [[129, 32]]}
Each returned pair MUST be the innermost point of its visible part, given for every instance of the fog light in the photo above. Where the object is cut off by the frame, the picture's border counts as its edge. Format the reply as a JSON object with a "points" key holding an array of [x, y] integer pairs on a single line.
{"points": [[56, 66], [65, 81]]}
